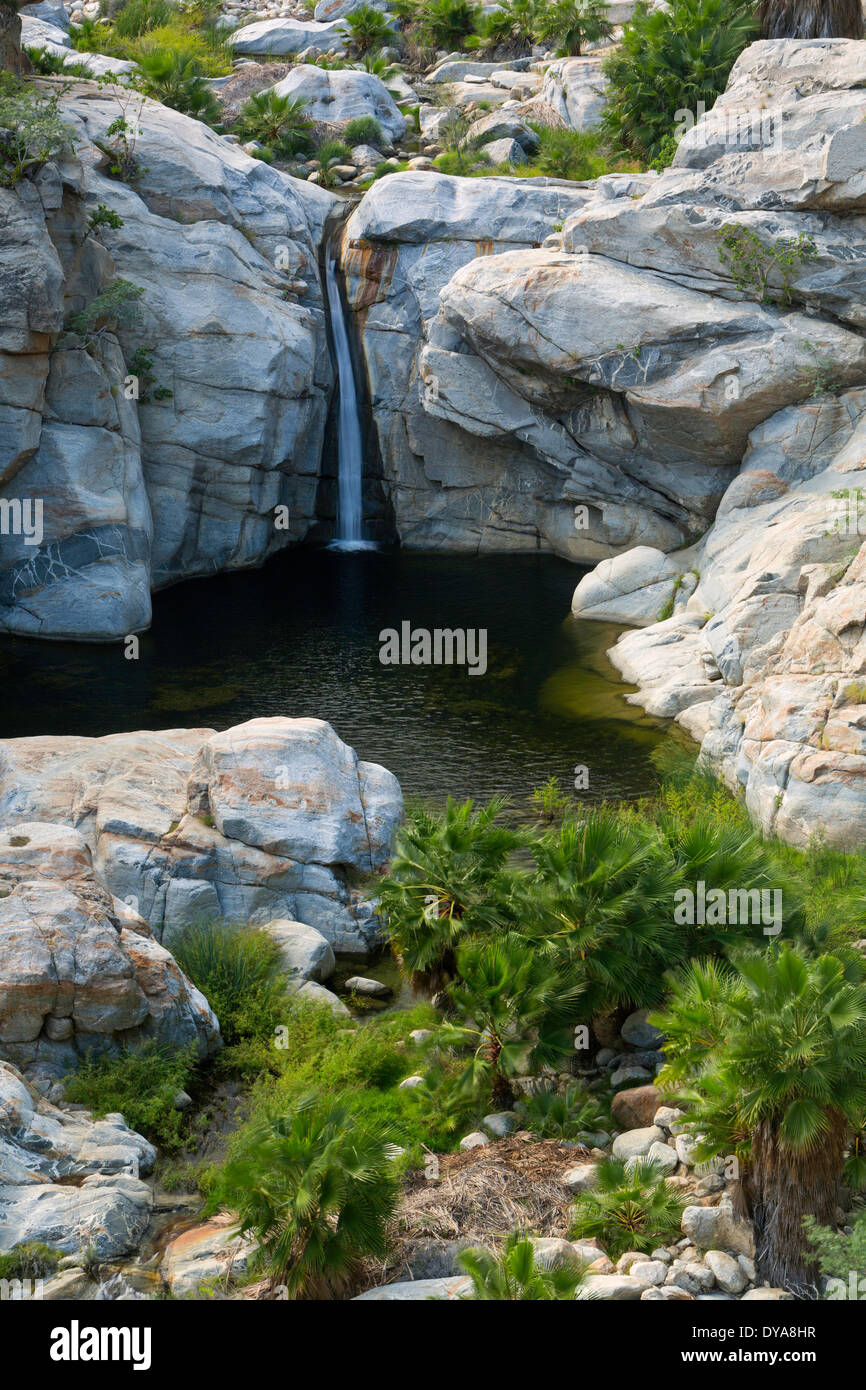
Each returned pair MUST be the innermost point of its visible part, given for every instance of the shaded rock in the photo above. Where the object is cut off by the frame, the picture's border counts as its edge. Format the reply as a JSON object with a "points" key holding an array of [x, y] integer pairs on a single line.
{"points": [[635, 1107], [304, 952]]}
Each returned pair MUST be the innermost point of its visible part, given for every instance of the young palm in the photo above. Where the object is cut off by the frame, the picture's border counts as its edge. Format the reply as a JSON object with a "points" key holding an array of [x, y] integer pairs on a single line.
{"points": [[571, 24], [514, 1008], [514, 1275], [281, 123], [513, 26], [370, 29], [316, 1191], [177, 79], [631, 1207], [572, 1114], [447, 23], [781, 1074], [448, 880]]}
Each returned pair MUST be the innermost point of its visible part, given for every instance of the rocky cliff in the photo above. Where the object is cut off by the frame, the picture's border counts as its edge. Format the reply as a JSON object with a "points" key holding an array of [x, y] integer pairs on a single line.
{"points": [[226, 342]]}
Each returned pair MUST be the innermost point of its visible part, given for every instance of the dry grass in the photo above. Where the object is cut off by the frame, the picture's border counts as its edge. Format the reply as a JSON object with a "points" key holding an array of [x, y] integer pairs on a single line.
{"points": [[484, 1193]]}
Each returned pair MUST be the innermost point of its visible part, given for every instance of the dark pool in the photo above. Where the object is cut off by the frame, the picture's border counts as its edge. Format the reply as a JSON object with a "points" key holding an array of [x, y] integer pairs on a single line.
{"points": [[301, 637]]}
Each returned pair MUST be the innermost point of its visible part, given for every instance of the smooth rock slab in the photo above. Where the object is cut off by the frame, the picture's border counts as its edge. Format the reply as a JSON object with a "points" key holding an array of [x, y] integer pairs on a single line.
{"points": [[343, 94], [280, 36], [417, 1290]]}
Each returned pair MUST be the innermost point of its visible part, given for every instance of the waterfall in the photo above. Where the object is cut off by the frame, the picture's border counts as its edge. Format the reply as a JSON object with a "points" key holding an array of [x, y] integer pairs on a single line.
{"points": [[349, 450]]}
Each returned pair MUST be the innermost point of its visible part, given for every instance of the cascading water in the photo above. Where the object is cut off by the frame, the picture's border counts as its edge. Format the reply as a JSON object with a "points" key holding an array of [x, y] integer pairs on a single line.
{"points": [[349, 450]]}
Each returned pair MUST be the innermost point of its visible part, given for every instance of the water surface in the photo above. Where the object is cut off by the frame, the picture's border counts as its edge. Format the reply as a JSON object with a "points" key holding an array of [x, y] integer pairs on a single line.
{"points": [[301, 637]]}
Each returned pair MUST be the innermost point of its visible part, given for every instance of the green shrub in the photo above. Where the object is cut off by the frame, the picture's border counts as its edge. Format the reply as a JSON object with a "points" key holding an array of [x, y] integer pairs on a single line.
{"points": [[752, 263], [141, 1084], [316, 1190], [36, 130], [569, 154], [31, 1260], [364, 130], [839, 1255], [108, 311], [513, 27], [630, 1208], [136, 17], [668, 61], [239, 972]]}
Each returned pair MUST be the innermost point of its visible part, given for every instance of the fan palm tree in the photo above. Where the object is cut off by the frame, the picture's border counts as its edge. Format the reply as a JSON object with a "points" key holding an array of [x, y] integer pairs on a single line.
{"points": [[811, 19], [572, 23], [279, 122], [316, 1191], [177, 79], [515, 1275], [602, 898], [448, 880], [370, 29], [780, 1073], [514, 1008], [512, 27], [630, 1207], [447, 23]]}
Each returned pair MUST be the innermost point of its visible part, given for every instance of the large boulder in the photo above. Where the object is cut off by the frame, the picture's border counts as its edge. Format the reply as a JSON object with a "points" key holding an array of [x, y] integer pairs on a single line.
{"points": [[66, 1181], [338, 95], [575, 89], [80, 972], [275, 37], [269, 820]]}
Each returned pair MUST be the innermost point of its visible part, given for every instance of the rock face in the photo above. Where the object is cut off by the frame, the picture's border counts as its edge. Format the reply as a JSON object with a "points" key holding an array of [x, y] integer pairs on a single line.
{"points": [[79, 971], [471, 462], [42, 1147], [138, 493], [264, 821], [574, 88], [342, 95], [759, 653], [600, 394]]}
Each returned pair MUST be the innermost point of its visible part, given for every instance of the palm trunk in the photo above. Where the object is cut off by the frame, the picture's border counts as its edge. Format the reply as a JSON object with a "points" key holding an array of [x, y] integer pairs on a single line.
{"points": [[782, 1186], [11, 57], [811, 19]]}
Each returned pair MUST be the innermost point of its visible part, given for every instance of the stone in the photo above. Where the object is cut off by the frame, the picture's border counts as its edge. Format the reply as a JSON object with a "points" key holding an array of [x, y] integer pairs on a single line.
{"points": [[312, 993], [420, 1036], [636, 1143], [499, 1125], [630, 1075], [726, 1271], [718, 1228], [554, 1253], [617, 1288], [685, 1145], [766, 1294], [344, 94], [668, 1293], [449, 1290], [574, 89], [72, 1285], [648, 1272], [475, 1140], [667, 1117], [635, 1107], [692, 1276], [305, 954], [276, 37], [666, 1157], [505, 152], [207, 1253], [411, 1083], [639, 1033], [630, 588], [498, 126], [580, 1178], [370, 989]]}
